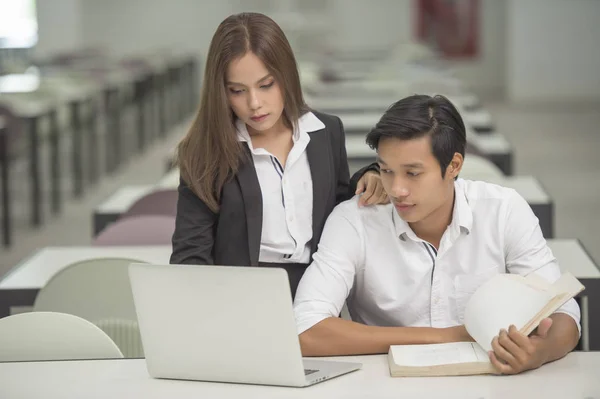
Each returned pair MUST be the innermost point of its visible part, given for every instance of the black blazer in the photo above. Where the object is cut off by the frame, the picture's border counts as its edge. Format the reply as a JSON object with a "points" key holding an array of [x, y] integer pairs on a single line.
{"points": [[232, 236]]}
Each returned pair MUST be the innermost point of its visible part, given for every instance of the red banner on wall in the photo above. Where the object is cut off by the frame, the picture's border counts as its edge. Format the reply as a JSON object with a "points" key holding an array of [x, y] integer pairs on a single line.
{"points": [[449, 26]]}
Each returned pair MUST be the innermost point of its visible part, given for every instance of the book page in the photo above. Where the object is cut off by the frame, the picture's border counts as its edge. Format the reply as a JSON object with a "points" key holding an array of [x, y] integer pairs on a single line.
{"points": [[565, 288], [567, 284], [437, 354], [503, 300]]}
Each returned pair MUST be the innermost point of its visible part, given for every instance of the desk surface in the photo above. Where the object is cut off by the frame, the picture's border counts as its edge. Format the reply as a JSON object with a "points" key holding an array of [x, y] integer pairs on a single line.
{"points": [[475, 169], [169, 180], [28, 106], [123, 198], [366, 121], [19, 83], [353, 94], [573, 257], [528, 186], [35, 271], [575, 376], [489, 143]]}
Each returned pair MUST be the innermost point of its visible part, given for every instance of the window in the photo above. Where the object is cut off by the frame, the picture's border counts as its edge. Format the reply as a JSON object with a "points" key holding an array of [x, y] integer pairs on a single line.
{"points": [[18, 24]]}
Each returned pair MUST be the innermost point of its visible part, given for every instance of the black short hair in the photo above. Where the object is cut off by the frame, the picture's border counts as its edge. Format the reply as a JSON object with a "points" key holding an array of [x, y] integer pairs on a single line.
{"points": [[421, 115]]}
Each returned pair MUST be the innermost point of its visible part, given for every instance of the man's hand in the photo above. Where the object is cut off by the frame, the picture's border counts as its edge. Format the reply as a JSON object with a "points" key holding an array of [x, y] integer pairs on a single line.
{"points": [[372, 190], [514, 352]]}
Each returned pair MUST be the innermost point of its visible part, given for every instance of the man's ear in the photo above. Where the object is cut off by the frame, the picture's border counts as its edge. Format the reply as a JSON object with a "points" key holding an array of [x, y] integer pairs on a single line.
{"points": [[455, 166]]}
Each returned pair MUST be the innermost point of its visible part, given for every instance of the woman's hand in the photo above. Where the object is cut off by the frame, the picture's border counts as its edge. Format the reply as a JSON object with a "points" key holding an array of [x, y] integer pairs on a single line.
{"points": [[371, 187]]}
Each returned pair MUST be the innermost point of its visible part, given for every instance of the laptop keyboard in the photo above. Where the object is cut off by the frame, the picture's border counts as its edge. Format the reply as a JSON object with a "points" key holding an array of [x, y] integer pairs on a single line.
{"points": [[309, 371]]}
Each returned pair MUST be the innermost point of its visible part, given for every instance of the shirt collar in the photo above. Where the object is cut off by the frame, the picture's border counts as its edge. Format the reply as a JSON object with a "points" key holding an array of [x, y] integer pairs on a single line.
{"points": [[462, 215], [307, 123]]}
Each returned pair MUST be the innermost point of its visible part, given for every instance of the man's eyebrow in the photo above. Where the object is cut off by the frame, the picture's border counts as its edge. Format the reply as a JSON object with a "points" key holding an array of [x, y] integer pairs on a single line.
{"points": [[406, 165], [413, 165]]}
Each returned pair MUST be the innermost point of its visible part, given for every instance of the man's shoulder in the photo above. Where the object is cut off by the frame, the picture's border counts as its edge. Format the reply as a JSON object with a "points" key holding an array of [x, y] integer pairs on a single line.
{"points": [[358, 215], [480, 190]]}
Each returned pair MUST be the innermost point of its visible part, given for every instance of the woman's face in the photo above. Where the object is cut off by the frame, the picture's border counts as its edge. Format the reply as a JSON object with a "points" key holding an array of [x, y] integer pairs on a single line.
{"points": [[253, 94]]}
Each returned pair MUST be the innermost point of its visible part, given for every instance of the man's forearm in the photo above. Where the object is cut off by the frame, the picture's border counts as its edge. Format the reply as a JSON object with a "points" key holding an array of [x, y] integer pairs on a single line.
{"points": [[335, 337], [562, 337]]}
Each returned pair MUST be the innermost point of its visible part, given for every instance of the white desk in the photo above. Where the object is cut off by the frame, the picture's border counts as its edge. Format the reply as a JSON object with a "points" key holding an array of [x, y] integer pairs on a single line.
{"points": [[122, 199], [494, 143], [575, 376], [169, 180], [118, 203], [355, 103], [19, 83], [358, 151], [334, 96], [493, 146], [573, 257], [370, 102], [20, 286], [479, 119], [476, 168], [373, 101]]}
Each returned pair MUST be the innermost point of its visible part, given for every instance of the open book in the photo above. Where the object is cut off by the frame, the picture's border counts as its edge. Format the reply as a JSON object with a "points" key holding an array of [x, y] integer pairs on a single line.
{"points": [[503, 300]]}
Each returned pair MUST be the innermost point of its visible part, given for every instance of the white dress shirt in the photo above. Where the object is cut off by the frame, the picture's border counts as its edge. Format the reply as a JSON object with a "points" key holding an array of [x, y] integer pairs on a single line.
{"points": [[370, 257], [287, 196]]}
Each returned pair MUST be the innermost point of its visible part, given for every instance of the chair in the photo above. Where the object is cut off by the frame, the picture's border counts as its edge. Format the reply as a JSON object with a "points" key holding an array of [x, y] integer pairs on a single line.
{"points": [[124, 333], [99, 291], [138, 230], [161, 202], [95, 289], [38, 336]]}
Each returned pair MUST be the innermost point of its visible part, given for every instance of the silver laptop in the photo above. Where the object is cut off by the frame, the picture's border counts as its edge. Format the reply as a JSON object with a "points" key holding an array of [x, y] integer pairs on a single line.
{"points": [[219, 323]]}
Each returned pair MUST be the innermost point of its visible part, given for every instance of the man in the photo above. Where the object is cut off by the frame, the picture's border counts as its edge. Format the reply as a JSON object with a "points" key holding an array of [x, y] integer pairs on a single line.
{"points": [[407, 269]]}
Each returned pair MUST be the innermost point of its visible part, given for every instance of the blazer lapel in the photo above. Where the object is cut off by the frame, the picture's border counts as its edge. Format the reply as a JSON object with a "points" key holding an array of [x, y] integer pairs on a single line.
{"points": [[252, 196], [319, 158]]}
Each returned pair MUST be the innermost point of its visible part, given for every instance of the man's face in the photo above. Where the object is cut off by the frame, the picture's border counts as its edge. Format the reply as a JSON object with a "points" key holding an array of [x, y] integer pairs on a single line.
{"points": [[411, 177]]}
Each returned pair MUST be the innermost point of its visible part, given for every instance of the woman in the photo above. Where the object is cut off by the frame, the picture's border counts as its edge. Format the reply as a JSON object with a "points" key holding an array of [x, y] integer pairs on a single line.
{"points": [[260, 172]]}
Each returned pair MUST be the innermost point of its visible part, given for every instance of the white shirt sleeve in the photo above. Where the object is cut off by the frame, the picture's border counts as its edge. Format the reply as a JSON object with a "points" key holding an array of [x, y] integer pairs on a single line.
{"points": [[328, 280], [527, 252]]}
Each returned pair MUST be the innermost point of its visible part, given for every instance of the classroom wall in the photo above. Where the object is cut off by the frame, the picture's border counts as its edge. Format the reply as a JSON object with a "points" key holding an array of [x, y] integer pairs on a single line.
{"points": [[60, 26], [528, 47], [553, 50], [139, 25], [486, 75]]}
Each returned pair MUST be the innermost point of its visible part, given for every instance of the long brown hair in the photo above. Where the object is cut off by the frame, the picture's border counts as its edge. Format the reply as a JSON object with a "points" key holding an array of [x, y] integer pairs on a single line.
{"points": [[210, 153]]}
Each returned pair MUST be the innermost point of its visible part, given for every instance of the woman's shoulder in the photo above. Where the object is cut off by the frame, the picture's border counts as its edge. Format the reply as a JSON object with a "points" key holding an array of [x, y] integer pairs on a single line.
{"points": [[327, 119]]}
